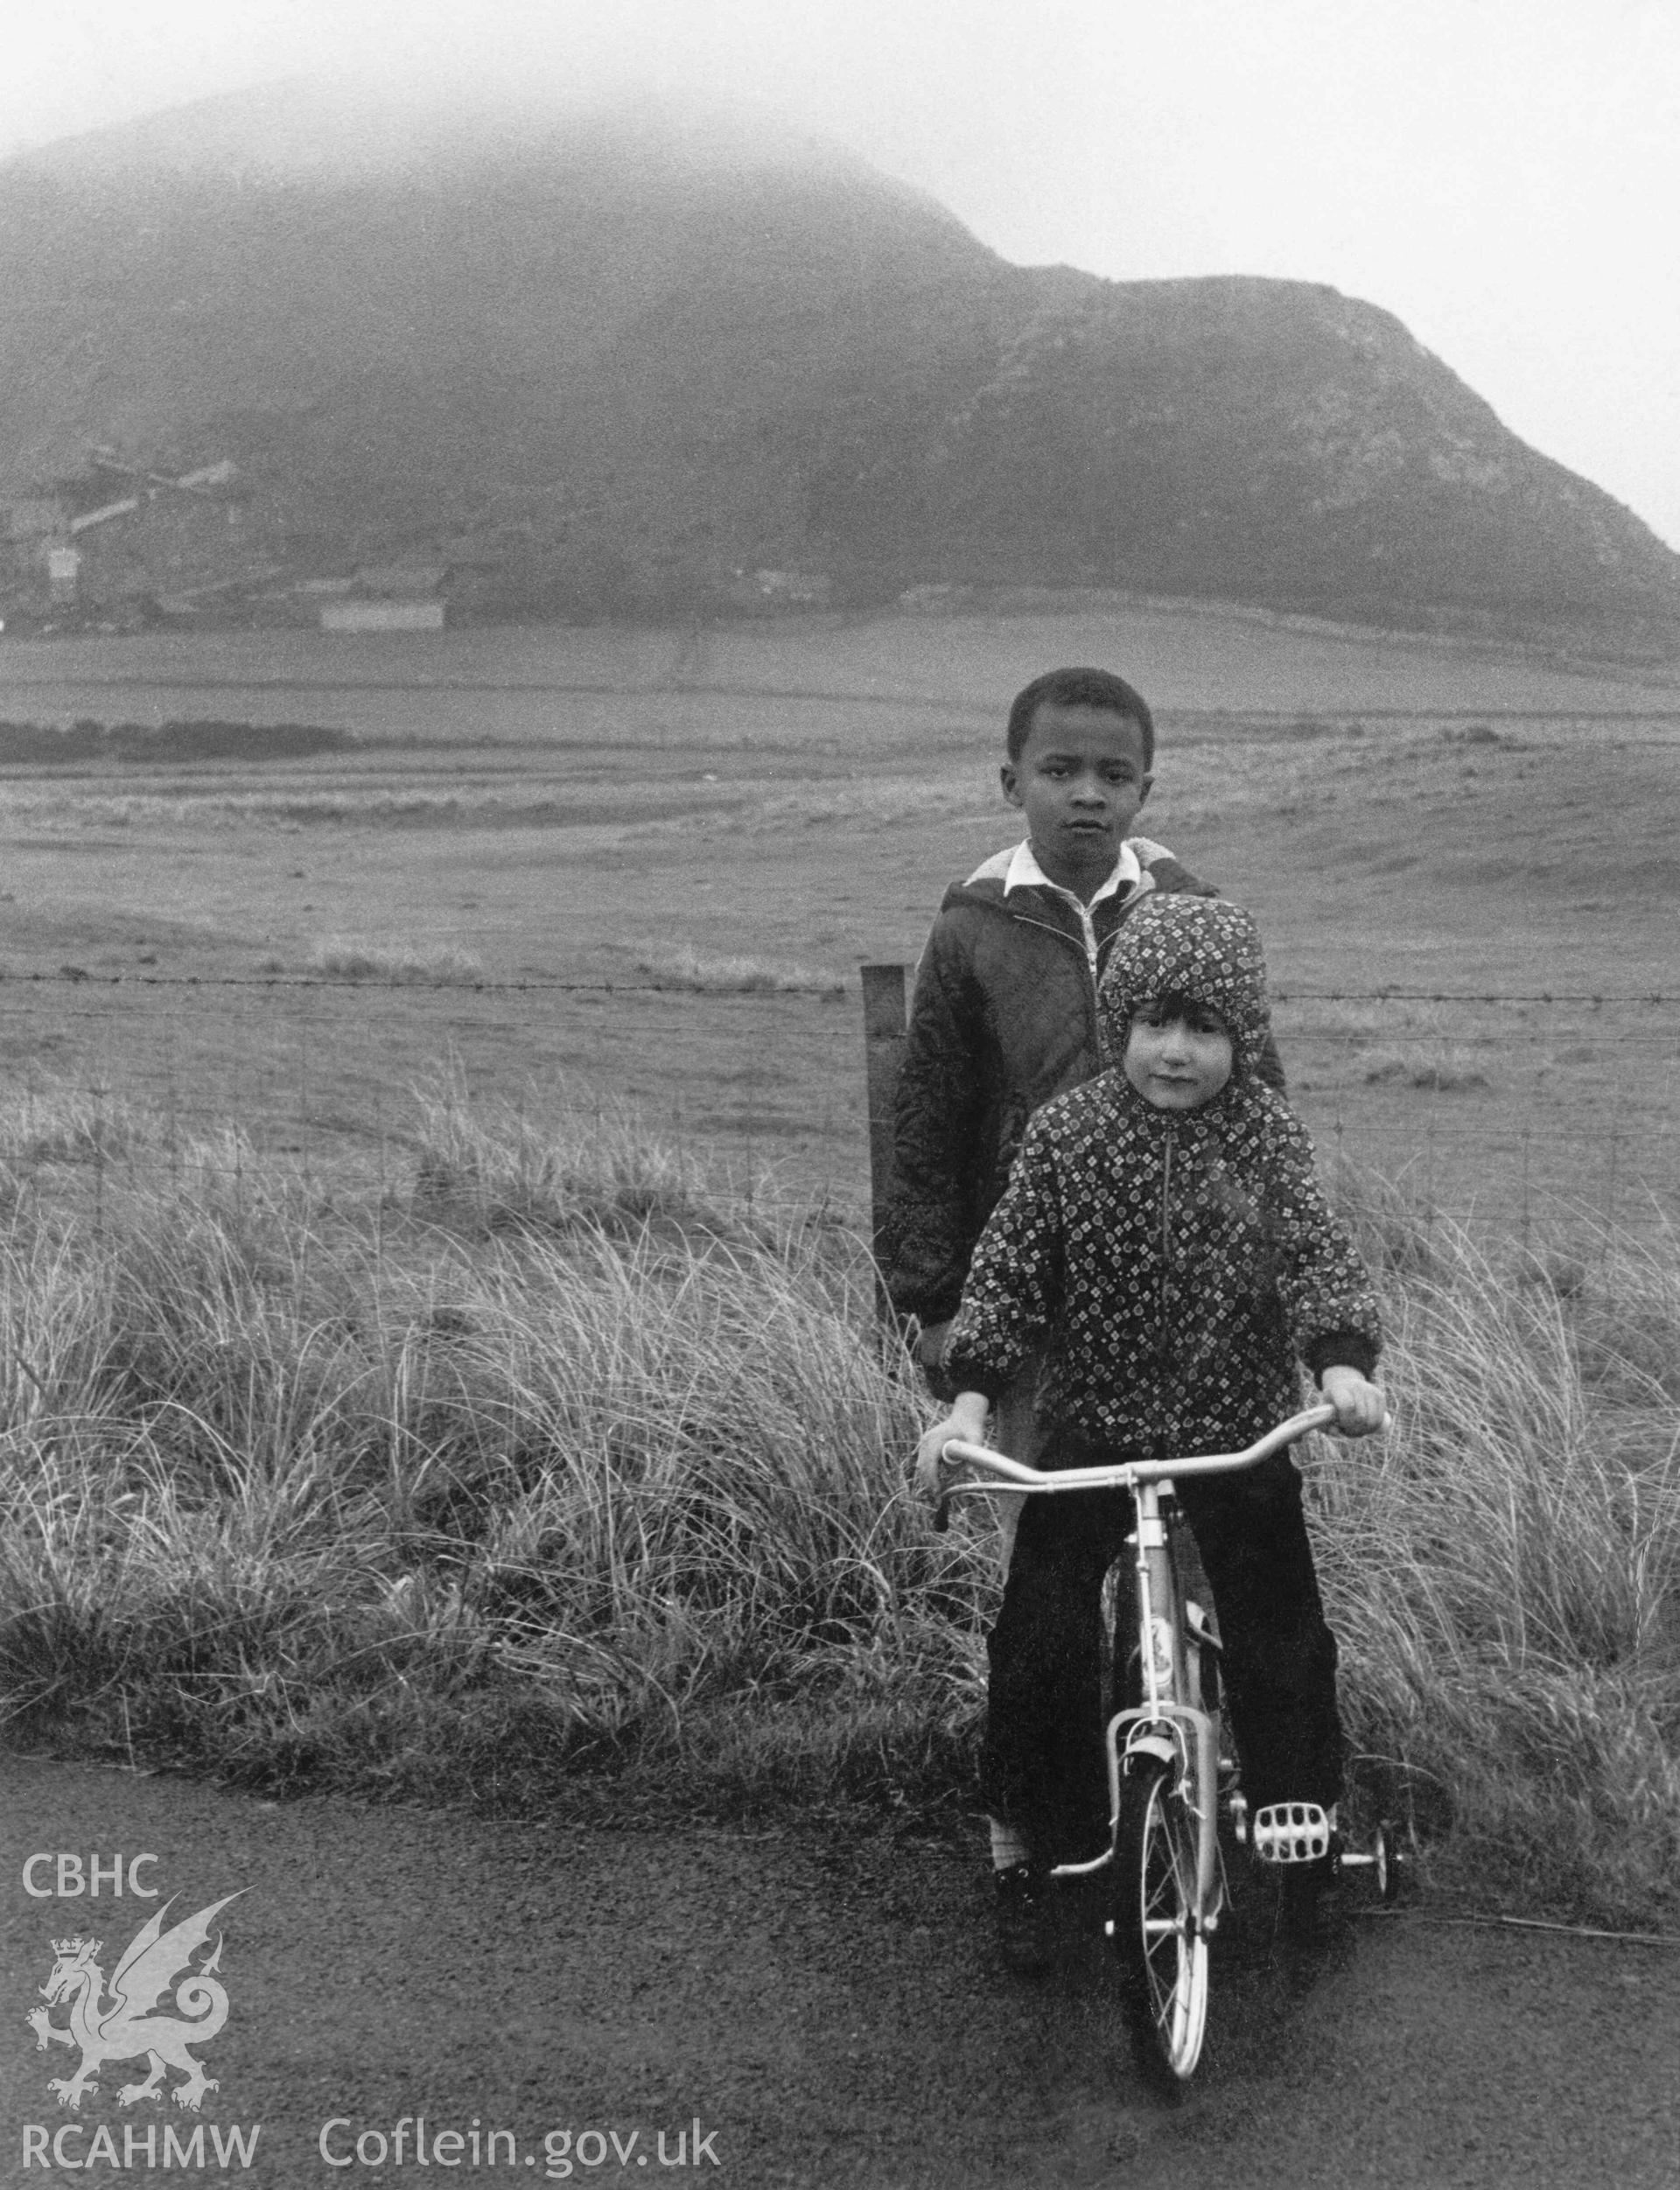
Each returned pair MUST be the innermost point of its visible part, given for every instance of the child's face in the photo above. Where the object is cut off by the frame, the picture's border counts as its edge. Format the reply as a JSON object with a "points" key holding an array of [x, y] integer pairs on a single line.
{"points": [[1178, 1058], [1080, 781]]}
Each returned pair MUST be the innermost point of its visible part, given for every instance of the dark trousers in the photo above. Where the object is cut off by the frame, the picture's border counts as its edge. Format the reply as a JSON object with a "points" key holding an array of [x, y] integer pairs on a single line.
{"points": [[1043, 1767]]}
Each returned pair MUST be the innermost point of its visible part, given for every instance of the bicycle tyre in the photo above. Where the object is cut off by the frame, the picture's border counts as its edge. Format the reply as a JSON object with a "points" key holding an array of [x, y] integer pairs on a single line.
{"points": [[1163, 1955]]}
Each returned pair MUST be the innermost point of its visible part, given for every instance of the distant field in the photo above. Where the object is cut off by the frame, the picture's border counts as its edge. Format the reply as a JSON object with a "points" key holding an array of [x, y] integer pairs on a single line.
{"points": [[728, 822], [1186, 658]]}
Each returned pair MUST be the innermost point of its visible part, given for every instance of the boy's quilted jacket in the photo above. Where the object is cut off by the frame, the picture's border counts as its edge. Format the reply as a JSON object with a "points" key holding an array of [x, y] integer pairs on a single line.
{"points": [[1173, 1265], [1004, 1017]]}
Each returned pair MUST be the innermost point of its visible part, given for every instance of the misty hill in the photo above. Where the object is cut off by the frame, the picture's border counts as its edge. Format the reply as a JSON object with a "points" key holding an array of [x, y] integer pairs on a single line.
{"points": [[609, 361]]}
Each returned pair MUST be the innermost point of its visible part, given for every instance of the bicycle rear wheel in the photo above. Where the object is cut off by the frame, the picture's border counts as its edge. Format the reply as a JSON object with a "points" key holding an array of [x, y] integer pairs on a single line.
{"points": [[1156, 1930]]}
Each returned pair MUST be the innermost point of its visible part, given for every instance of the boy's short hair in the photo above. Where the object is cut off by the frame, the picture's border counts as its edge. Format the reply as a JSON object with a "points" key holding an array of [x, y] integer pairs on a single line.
{"points": [[1078, 688]]}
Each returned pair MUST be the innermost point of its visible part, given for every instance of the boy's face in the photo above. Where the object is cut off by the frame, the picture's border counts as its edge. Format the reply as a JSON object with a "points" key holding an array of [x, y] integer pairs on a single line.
{"points": [[1178, 1058], [1080, 781]]}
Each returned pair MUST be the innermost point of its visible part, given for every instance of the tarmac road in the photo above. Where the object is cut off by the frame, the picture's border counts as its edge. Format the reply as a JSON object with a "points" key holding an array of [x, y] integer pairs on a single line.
{"points": [[787, 2012]]}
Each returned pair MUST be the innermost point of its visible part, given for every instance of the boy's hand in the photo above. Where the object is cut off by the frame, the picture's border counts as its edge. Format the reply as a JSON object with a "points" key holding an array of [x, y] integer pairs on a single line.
{"points": [[966, 1420], [1360, 1405]]}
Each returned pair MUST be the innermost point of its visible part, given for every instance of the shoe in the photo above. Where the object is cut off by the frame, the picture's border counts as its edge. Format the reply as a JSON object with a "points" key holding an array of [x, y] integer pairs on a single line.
{"points": [[1297, 1902], [1022, 1906], [1300, 1842], [1301, 1945]]}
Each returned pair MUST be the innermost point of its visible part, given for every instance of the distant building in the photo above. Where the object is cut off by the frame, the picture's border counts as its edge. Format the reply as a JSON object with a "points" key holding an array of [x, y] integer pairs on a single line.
{"points": [[63, 570], [119, 532], [382, 615], [388, 597]]}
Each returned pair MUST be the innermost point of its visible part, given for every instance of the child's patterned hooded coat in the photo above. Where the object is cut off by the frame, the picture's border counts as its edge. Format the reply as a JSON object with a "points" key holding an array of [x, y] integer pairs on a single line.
{"points": [[1173, 1265], [1004, 1017]]}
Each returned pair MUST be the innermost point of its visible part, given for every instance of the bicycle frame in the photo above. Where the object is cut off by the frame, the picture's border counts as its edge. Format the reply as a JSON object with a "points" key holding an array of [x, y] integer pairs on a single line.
{"points": [[1168, 1723]]}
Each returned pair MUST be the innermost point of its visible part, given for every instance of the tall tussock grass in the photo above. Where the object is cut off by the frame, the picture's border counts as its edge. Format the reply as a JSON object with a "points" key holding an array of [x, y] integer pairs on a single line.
{"points": [[571, 1473], [465, 1506], [1503, 1566], [497, 1167]]}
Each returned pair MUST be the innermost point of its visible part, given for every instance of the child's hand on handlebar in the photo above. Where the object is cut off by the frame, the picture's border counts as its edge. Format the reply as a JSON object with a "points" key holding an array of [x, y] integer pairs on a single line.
{"points": [[966, 1420], [1361, 1406]]}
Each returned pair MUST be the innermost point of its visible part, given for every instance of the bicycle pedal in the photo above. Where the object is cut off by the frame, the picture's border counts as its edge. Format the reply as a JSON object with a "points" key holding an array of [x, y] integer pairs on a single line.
{"points": [[1290, 1832]]}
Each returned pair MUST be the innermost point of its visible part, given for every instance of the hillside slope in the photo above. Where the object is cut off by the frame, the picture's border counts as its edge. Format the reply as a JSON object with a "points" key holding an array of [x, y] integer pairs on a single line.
{"points": [[621, 360]]}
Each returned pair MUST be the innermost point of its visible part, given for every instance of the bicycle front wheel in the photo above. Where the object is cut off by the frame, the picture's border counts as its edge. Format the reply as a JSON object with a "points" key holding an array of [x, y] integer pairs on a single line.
{"points": [[1156, 1928]]}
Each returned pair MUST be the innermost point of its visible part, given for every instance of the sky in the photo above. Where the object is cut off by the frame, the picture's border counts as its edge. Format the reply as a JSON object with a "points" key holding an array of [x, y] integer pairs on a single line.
{"points": [[1503, 175]]}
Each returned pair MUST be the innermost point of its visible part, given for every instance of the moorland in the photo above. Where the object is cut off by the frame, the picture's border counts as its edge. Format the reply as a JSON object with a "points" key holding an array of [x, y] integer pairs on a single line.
{"points": [[441, 1349]]}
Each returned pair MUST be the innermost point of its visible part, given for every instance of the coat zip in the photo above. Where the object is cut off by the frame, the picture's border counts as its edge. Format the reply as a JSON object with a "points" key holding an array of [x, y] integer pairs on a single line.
{"points": [[1074, 942]]}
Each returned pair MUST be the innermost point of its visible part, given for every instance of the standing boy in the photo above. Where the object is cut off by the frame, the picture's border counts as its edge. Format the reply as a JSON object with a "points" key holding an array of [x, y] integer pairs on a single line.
{"points": [[1164, 1242], [1004, 1011]]}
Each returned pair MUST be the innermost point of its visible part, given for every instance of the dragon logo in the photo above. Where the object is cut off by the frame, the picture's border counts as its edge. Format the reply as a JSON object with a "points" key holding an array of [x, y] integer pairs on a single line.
{"points": [[113, 2022]]}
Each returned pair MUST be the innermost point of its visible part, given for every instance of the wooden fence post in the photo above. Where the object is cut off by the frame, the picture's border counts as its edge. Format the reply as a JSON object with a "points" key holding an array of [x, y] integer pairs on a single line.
{"points": [[883, 1037]]}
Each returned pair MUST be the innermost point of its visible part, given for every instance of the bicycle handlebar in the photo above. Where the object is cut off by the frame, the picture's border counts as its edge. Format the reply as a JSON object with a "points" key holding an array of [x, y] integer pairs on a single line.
{"points": [[1007, 1474]]}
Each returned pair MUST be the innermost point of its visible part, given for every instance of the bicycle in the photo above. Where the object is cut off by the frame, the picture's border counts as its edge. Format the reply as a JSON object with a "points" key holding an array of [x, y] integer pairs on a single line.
{"points": [[1167, 1777]]}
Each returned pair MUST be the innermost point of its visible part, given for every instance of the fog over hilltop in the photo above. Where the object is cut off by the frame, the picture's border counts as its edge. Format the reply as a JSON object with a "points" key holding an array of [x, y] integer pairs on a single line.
{"points": [[321, 129], [612, 359]]}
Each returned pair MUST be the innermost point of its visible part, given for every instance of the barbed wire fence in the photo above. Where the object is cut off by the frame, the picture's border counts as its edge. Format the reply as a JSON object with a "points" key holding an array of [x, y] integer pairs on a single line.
{"points": [[1511, 1105]]}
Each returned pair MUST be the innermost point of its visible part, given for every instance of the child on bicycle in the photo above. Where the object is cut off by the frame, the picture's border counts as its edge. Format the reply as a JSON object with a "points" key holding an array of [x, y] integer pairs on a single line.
{"points": [[1164, 1240]]}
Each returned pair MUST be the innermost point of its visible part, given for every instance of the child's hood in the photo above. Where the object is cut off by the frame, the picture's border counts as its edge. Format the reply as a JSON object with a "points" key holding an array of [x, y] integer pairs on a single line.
{"points": [[1199, 947]]}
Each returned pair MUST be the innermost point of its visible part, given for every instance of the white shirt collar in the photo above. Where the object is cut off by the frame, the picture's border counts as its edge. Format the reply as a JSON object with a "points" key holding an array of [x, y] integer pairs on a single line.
{"points": [[1025, 873]]}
